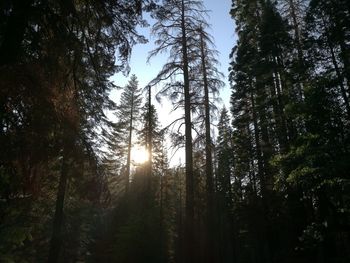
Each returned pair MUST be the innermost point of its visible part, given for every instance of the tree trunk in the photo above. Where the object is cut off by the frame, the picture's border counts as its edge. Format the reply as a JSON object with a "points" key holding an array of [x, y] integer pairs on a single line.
{"points": [[264, 154], [190, 245], [256, 134], [208, 157], [338, 72], [278, 108], [149, 135], [298, 43], [56, 239], [128, 161]]}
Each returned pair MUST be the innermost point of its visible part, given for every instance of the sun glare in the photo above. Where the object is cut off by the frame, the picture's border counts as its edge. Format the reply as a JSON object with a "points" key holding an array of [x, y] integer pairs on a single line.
{"points": [[139, 155]]}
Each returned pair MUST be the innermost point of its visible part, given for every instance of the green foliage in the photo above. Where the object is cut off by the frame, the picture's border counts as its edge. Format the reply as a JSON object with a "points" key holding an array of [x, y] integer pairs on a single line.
{"points": [[282, 158], [290, 127], [56, 60]]}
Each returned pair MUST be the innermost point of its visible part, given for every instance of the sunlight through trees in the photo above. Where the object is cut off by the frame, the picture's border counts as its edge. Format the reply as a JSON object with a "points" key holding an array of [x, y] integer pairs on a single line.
{"points": [[87, 178]]}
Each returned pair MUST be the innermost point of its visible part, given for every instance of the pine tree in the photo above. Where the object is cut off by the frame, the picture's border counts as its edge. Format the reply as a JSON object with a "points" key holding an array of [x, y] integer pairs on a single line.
{"points": [[261, 91], [224, 153], [175, 30], [128, 114], [155, 134], [280, 94], [225, 189], [331, 41], [64, 75]]}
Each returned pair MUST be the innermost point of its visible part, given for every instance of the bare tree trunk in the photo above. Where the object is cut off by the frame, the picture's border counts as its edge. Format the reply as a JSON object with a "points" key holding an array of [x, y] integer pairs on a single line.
{"points": [[208, 157], [190, 241], [149, 135]]}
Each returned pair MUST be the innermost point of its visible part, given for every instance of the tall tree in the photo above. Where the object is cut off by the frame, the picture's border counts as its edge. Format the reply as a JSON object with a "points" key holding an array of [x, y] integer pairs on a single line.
{"points": [[175, 30], [150, 133], [330, 34], [277, 93], [65, 58], [259, 98], [206, 89], [224, 180], [128, 114]]}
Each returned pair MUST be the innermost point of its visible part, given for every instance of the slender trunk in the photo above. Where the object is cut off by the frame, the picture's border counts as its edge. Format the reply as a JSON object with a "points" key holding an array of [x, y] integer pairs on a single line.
{"points": [[344, 50], [296, 29], [208, 146], [345, 58], [341, 82], [190, 246], [162, 228], [278, 107], [161, 200], [208, 156], [295, 25], [149, 135], [252, 165], [128, 161], [56, 239]]}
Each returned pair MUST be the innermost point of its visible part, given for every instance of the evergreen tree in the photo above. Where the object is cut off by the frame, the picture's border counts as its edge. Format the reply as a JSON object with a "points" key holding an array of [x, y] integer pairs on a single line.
{"points": [[156, 135], [261, 91], [62, 57], [224, 153], [128, 114], [279, 92]]}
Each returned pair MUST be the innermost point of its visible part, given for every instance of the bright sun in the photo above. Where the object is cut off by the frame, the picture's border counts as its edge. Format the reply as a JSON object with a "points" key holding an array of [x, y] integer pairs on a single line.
{"points": [[139, 155]]}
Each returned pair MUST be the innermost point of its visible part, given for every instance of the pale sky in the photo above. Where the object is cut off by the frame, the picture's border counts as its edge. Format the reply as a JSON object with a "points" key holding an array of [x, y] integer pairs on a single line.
{"points": [[222, 30]]}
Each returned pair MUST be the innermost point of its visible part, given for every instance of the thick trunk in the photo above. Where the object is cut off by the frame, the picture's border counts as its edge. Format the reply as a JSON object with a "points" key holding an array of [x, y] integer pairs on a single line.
{"points": [[190, 241]]}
